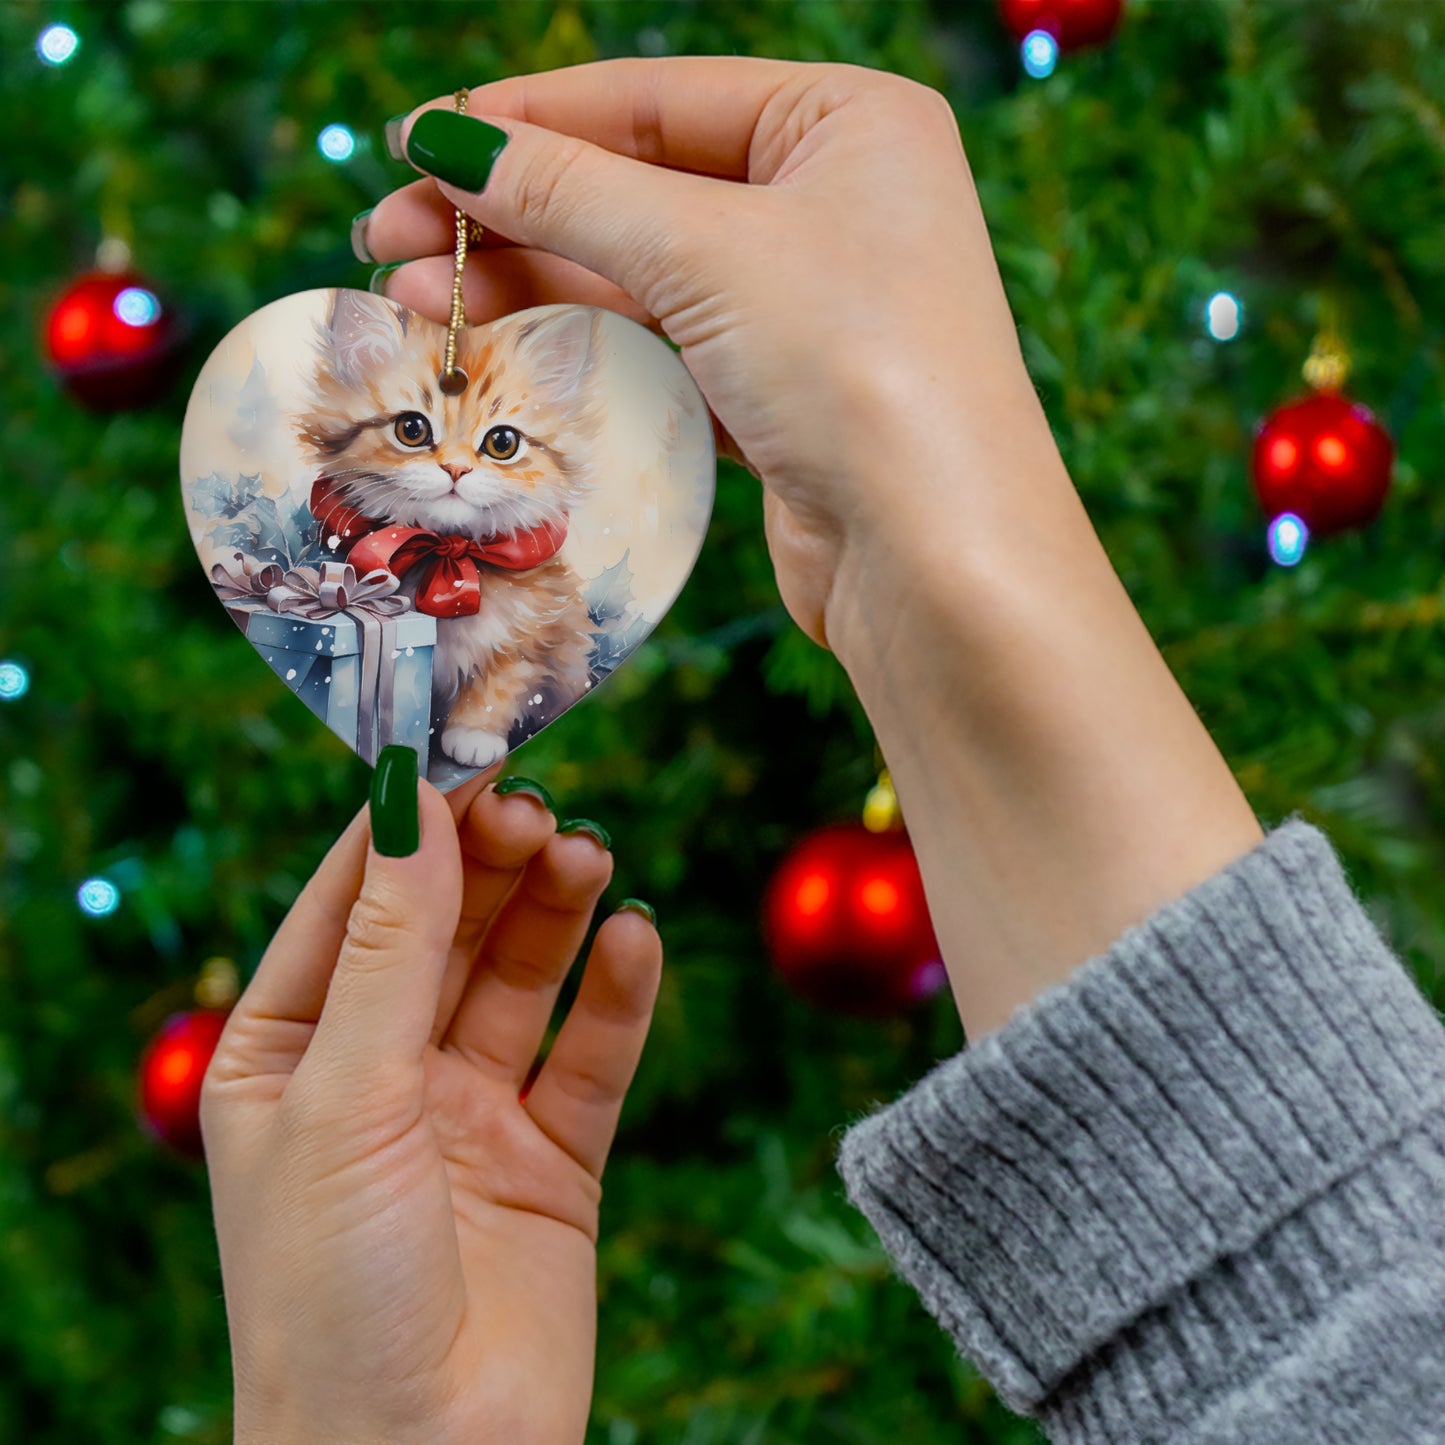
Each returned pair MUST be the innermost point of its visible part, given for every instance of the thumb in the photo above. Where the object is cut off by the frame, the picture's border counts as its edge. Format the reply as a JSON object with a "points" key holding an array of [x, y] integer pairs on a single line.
{"points": [[635, 224], [382, 1000]]}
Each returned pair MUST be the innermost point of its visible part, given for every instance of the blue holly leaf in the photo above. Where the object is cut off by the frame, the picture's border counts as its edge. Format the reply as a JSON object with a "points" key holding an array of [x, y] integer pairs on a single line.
{"points": [[217, 496], [610, 648], [609, 594], [271, 531]]}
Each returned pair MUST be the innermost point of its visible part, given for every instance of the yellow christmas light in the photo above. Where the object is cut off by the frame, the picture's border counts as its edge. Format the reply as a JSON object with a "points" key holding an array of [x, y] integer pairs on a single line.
{"points": [[219, 985]]}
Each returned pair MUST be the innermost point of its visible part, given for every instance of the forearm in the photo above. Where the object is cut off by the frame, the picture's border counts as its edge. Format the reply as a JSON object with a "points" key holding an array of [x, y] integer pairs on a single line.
{"points": [[1057, 784]]}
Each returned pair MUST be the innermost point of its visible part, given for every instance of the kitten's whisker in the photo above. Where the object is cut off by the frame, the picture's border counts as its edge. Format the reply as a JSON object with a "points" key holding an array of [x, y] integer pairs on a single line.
{"points": [[370, 487]]}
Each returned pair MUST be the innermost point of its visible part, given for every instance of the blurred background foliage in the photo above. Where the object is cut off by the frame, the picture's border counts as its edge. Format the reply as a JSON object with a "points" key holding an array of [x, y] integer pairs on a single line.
{"points": [[1289, 153]]}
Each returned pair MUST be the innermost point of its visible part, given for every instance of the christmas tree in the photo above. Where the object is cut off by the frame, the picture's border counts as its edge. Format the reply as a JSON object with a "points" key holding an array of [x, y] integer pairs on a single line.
{"points": [[1180, 214]]}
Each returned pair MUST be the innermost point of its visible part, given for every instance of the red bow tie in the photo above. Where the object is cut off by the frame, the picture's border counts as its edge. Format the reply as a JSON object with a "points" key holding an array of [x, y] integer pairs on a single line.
{"points": [[450, 582]]}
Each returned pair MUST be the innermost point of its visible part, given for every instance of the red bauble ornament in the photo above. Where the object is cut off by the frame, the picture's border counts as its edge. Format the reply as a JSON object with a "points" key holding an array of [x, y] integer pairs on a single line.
{"points": [[1073, 23], [171, 1071], [111, 341], [1324, 458], [847, 923]]}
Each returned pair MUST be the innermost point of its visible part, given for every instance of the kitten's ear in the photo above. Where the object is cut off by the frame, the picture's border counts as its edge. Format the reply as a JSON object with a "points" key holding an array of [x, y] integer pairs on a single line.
{"points": [[363, 334], [558, 350]]}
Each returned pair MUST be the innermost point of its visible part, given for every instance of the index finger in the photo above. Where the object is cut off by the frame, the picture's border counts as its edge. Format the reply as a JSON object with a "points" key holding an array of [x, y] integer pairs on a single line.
{"points": [[695, 113]]}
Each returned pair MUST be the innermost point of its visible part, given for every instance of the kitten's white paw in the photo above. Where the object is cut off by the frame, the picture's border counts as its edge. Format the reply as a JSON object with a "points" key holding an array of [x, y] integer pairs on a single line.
{"points": [[473, 748]]}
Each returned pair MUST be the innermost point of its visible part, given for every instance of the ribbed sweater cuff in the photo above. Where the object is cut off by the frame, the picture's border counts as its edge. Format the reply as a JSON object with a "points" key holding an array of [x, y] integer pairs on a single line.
{"points": [[1168, 1152]]}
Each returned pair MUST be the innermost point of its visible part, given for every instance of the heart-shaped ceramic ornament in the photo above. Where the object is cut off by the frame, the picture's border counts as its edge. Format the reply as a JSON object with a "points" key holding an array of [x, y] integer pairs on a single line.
{"points": [[447, 569]]}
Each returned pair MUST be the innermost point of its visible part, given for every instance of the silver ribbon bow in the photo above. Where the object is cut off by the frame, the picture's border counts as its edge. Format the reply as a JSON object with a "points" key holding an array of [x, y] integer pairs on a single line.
{"points": [[255, 579], [316, 593]]}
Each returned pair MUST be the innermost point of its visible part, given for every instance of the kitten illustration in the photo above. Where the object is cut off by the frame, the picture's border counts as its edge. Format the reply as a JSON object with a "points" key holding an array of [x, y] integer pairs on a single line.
{"points": [[466, 498]]}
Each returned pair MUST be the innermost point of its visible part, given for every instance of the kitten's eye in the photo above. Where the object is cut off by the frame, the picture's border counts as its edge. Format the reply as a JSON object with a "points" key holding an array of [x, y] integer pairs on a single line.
{"points": [[501, 443], [412, 429]]}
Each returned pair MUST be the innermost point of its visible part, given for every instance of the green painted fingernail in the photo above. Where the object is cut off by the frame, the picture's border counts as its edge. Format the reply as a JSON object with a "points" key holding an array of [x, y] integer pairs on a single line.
{"points": [[525, 785], [395, 824], [636, 905], [359, 248], [586, 825], [393, 136], [455, 148], [377, 284]]}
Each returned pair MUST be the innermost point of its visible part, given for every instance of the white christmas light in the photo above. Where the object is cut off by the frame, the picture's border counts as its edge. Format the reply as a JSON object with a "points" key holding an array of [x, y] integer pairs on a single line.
{"points": [[1040, 52], [57, 44], [336, 143], [14, 681], [98, 897], [1288, 538], [1223, 316], [137, 307]]}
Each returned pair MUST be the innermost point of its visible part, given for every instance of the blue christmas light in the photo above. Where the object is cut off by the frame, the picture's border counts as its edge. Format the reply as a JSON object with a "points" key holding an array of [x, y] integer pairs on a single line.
{"points": [[1288, 538], [1040, 52], [1223, 316], [57, 44], [98, 897], [336, 143], [14, 681], [137, 307]]}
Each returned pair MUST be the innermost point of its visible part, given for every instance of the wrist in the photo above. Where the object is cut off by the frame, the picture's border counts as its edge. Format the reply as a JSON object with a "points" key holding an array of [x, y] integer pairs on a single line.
{"points": [[1057, 784], [940, 535], [261, 1428]]}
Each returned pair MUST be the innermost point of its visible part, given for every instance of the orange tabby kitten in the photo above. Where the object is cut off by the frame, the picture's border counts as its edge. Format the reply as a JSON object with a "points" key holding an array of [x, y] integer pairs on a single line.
{"points": [[502, 464]]}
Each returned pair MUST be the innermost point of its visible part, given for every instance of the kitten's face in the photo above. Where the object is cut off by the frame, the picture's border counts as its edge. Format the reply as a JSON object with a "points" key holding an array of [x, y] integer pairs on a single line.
{"points": [[514, 450]]}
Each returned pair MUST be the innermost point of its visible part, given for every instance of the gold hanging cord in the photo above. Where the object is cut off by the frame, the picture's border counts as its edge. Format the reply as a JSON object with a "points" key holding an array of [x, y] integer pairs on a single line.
{"points": [[453, 380]]}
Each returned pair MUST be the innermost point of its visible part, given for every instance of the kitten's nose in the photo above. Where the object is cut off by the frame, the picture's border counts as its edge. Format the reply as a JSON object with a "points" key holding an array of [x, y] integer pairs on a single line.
{"points": [[454, 471]]}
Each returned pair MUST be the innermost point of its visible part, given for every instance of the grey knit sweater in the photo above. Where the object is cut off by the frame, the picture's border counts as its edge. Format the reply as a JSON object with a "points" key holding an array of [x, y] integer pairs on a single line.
{"points": [[1196, 1192]]}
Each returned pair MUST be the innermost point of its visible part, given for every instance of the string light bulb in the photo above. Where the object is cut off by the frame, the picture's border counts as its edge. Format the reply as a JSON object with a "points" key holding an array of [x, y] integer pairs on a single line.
{"points": [[14, 681], [336, 143], [98, 897], [57, 44], [1223, 316], [1288, 538], [1040, 54]]}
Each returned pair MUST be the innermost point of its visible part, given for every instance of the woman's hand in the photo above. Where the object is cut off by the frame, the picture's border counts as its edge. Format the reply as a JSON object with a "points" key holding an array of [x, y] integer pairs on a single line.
{"points": [[808, 235], [407, 1247]]}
